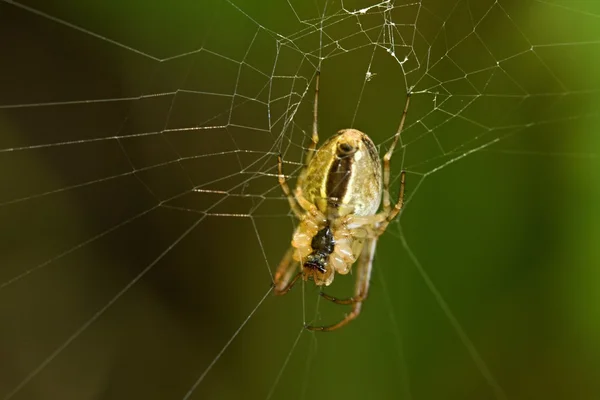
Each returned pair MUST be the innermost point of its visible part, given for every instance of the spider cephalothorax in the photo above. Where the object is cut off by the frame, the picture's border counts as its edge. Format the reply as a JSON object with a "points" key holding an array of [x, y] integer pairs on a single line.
{"points": [[336, 199], [324, 247]]}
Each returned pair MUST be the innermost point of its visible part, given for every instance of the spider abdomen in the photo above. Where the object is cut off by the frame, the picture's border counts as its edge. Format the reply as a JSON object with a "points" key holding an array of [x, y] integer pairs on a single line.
{"points": [[344, 176]]}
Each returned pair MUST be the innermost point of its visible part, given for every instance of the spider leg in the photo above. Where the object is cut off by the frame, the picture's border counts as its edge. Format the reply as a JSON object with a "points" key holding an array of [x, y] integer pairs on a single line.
{"points": [[388, 156], [364, 269], [394, 212], [349, 300], [284, 276], [297, 201], [314, 139], [286, 189]]}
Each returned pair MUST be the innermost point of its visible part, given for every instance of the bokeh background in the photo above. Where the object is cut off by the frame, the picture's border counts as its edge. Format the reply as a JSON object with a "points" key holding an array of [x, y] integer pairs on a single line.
{"points": [[118, 281]]}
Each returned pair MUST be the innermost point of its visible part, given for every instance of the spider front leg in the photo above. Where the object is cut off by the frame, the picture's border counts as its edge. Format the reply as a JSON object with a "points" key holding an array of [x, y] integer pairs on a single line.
{"points": [[364, 269], [349, 300], [284, 278]]}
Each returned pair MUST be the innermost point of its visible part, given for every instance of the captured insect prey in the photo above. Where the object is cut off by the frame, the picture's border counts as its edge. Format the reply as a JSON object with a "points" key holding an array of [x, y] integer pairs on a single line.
{"points": [[337, 196]]}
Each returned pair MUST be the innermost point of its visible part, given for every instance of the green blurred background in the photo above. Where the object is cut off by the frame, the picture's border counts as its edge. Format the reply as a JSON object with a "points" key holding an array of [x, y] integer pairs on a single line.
{"points": [[506, 236]]}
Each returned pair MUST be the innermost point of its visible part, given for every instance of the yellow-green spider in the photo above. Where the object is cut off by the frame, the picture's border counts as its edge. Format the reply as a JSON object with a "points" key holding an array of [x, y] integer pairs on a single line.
{"points": [[337, 195]]}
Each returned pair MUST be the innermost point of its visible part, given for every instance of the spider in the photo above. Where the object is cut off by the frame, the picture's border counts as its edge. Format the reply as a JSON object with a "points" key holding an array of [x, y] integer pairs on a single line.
{"points": [[337, 195]]}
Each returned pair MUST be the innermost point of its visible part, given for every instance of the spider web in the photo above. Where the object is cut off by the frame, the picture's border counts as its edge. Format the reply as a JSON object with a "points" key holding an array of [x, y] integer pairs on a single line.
{"points": [[142, 218]]}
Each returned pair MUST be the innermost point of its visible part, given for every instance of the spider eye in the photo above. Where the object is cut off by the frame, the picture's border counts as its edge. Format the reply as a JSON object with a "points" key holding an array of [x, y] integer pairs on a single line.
{"points": [[345, 149]]}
